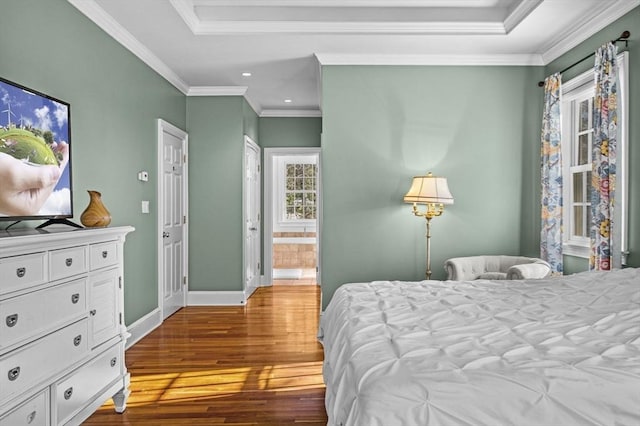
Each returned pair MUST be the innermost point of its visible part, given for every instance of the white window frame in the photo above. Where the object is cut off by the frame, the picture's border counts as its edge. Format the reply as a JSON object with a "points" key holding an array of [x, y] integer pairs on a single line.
{"points": [[280, 213], [574, 90]]}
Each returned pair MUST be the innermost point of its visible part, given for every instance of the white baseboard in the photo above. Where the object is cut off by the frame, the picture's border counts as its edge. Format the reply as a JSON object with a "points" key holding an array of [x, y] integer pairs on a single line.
{"points": [[287, 274], [143, 326], [215, 298]]}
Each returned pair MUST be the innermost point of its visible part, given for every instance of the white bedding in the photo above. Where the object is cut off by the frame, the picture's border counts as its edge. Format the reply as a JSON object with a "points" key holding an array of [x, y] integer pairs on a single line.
{"points": [[561, 351]]}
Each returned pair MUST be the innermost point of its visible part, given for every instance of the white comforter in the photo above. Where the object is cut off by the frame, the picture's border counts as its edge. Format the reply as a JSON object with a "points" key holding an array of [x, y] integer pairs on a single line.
{"points": [[563, 351]]}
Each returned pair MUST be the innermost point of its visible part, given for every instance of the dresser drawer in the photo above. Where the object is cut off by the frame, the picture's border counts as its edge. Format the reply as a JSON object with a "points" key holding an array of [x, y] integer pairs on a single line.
{"points": [[34, 412], [103, 255], [68, 262], [20, 272], [72, 393], [45, 310], [26, 366]]}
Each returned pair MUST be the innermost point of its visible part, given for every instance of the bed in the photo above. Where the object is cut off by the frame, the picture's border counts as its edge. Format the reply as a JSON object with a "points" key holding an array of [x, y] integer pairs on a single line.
{"points": [[559, 351]]}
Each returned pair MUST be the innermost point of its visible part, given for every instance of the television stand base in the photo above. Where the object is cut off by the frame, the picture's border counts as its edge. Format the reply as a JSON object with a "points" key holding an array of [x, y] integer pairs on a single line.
{"points": [[58, 221]]}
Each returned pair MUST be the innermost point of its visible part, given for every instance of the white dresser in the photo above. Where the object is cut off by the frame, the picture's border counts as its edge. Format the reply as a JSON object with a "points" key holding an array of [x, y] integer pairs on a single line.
{"points": [[62, 331]]}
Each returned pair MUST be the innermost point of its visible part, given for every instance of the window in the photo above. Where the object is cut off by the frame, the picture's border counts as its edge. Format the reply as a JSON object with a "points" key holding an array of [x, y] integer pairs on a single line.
{"points": [[295, 178], [300, 191], [577, 134]]}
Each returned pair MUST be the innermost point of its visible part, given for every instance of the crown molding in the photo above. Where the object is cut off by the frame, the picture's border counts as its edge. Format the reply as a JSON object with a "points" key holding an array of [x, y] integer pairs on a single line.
{"points": [[574, 36], [96, 14], [291, 113], [217, 91], [521, 11], [470, 60], [342, 3]]}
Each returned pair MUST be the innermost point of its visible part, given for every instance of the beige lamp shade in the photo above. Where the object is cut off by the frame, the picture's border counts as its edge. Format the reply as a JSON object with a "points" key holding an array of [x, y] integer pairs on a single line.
{"points": [[429, 189]]}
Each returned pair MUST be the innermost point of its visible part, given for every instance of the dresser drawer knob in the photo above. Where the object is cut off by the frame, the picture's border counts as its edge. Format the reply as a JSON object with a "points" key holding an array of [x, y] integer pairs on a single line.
{"points": [[113, 361], [13, 374], [92, 312], [68, 393], [77, 340], [75, 297], [105, 254], [21, 272], [12, 320], [68, 261], [31, 417]]}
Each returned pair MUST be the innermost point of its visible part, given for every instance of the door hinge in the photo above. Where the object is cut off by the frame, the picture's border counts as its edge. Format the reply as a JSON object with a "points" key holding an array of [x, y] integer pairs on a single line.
{"points": [[258, 168], [184, 158], [316, 269], [184, 280], [258, 265], [119, 282], [120, 317], [184, 219], [258, 217]]}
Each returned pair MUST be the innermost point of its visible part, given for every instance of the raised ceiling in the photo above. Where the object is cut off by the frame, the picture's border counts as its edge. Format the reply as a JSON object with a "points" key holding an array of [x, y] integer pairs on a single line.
{"points": [[203, 46]]}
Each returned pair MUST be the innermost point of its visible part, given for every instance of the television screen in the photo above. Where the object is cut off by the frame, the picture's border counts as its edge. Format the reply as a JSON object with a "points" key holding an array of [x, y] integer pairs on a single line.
{"points": [[35, 154]]}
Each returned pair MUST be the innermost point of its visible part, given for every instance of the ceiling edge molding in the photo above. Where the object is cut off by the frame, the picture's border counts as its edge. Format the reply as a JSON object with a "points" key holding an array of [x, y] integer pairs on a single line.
{"points": [[309, 27], [217, 91], [103, 20], [519, 13], [186, 10], [291, 113], [332, 3], [470, 60], [567, 41]]}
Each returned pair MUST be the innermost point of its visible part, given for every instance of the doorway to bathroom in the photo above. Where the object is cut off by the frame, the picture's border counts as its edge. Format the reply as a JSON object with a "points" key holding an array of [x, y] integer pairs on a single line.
{"points": [[292, 212]]}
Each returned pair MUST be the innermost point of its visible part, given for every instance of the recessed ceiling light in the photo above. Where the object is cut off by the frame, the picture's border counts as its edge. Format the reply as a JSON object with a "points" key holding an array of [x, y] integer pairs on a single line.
{"points": [[287, 101], [246, 74]]}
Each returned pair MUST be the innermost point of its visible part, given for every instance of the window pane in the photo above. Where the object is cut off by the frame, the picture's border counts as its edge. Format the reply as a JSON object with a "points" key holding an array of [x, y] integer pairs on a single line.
{"points": [[298, 170], [578, 225], [308, 170], [583, 121], [583, 148], [290, 170], [290, 213], [309, 184], [299, 183], [291, 184], [578, 187], [589, 187], [310, 199]]}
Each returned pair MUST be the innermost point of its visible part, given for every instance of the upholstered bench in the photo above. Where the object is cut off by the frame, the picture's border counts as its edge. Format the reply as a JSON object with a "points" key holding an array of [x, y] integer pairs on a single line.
{"points": [[496, 268]]}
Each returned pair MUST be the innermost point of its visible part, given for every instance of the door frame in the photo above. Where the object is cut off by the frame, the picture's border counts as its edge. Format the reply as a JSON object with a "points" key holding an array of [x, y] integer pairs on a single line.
{"points": [[164, 126], [269, 154], [248, 141]]}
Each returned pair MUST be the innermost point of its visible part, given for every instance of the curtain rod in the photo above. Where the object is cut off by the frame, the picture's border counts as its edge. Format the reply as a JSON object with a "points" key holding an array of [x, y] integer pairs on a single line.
{"points": [[623, 37]]}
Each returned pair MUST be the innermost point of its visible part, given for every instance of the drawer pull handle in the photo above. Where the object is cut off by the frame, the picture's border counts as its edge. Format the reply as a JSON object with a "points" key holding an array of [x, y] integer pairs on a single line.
{"points": [[68, 393], [105, 254], [31, 417], [12, 320], [113, 361], [21, 272], [13, 374], [75, 297], [92, 312], [77, 340], [68, 261]]}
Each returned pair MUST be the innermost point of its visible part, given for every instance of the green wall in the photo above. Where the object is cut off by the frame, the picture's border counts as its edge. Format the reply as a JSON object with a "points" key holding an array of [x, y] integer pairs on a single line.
{"points": [[216, 128], [287, 132], [382, 125], [631, 22], [115, 101]]}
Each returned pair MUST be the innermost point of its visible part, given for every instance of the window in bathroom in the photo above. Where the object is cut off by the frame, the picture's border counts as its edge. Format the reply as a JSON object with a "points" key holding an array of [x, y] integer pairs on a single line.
{"points": [[300, 192]]}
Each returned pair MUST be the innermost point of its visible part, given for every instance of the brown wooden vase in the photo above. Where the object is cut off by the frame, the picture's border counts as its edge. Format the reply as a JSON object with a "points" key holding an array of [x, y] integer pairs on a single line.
{"points": [[96, 214]]}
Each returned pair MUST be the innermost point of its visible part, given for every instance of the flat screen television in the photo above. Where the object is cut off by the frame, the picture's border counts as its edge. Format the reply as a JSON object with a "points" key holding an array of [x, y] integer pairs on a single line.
{"points": [[35, 156]]}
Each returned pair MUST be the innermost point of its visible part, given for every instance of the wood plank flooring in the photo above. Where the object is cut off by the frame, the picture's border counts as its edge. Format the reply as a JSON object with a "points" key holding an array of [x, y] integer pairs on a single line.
{"points": [[254, 365]]}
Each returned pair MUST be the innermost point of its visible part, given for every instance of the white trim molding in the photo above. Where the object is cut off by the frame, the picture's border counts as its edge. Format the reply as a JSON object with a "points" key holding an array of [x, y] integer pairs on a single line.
{"points": [[215, 298], [445, 59], [291, 113], [143, 326], [217, 91], [102, 19]]}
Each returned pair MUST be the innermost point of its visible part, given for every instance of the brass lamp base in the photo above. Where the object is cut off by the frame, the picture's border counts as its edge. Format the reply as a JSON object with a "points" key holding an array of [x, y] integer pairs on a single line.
{"points": [[432, 210]]}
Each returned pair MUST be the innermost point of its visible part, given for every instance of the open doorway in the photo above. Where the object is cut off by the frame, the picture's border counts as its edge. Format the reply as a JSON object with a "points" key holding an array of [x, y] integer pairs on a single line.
{"points": [[292, 216]]}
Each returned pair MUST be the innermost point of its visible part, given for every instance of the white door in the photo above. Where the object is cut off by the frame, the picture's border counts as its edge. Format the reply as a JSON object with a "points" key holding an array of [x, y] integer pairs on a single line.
{"points": [[251, 214], [172, 218]]}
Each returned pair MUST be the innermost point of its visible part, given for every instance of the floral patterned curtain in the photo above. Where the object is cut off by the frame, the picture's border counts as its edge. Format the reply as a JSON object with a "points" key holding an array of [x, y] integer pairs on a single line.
{"points": [[551, 158], [605, 124]]}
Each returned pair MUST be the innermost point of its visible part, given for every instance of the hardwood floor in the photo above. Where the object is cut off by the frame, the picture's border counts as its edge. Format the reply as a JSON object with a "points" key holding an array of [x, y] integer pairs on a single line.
{"points": [[254, 365]]}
